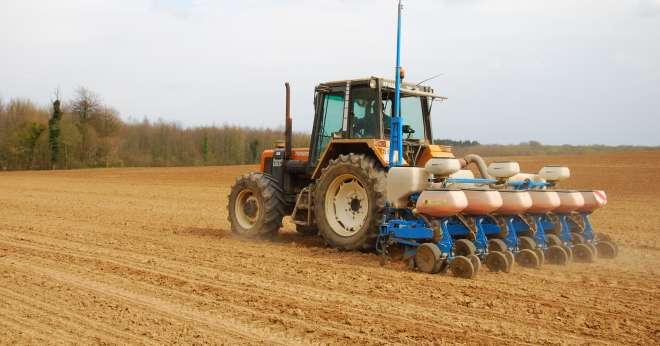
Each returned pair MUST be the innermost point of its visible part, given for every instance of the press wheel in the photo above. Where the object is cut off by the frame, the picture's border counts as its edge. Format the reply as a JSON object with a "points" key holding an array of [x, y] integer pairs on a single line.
{"points": [[510, 259], [528, 259], [583, 253], [553, 239], [476, 263], [569, 252], [526, 242], [496, 262], [428, 258], [464, 247], [606, 249], [557, 255], [462, 267], [497, 245], [540, 254], [593, 248], [577, 238]]}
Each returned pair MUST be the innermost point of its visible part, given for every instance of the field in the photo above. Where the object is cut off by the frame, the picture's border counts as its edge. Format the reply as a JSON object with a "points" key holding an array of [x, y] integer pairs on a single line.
{"points": [[144, 256]]}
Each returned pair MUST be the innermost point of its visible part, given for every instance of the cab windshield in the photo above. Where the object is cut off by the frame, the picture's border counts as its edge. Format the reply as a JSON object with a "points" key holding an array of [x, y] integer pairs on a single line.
{"points": [[412, 113]]}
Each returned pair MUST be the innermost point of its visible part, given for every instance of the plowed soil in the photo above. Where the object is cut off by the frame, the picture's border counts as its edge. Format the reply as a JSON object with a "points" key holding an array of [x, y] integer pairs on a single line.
{"points": [[144, 256]]}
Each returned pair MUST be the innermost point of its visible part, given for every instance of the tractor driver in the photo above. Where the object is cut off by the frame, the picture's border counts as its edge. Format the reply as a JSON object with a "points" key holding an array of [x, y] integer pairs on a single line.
{"points": [[365, 114]]}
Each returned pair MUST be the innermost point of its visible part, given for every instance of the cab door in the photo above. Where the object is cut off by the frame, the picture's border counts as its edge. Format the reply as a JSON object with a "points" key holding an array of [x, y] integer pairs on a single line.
{"points": [[329, 122]]}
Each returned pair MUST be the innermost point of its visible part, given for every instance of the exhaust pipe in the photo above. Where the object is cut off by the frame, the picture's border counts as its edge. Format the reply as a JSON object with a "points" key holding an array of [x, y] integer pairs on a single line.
{"points": [[287, 130]]}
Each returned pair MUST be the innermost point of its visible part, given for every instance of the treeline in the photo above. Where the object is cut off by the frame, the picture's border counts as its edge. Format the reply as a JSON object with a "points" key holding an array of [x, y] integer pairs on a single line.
{"points": [[536, 148], [84, 132], [456, 143]]}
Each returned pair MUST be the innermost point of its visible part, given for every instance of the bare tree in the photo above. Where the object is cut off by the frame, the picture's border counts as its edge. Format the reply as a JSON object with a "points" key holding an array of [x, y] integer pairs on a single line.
{"points": [[83, 107]]}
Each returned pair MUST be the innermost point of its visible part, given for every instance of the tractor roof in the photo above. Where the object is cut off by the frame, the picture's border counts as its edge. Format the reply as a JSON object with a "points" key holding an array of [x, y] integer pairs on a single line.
{"points": [[406, 88]]}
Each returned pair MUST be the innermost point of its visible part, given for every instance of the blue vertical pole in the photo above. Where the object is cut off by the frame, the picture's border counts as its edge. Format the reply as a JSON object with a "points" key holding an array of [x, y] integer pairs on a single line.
{"points": [[396, 133]]}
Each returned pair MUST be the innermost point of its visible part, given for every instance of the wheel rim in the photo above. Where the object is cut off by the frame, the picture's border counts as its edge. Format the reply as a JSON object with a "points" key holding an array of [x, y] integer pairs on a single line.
{"points": [[346, 205], [247, 209]]}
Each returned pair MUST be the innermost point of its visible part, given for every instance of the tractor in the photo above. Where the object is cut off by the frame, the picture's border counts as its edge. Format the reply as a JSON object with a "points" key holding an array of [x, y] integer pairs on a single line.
{"points": [[337, 186]]}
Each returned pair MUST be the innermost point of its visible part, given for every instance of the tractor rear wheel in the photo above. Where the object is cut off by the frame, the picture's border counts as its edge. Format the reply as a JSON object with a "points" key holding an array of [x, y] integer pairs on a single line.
{"points": [[349, 200], [256, 206]]}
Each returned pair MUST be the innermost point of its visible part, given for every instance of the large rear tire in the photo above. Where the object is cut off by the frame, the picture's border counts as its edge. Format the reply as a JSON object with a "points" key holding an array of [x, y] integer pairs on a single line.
{"points": [[256, 206], [349, 200]]}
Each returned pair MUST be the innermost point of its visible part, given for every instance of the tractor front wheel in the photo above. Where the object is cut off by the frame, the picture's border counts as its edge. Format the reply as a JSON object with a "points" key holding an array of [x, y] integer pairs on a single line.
{"points": [[256, 206]]}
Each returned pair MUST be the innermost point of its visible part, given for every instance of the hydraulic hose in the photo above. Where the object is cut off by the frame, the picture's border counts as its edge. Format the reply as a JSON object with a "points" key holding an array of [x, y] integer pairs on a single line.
{"points": [[477, 160]]}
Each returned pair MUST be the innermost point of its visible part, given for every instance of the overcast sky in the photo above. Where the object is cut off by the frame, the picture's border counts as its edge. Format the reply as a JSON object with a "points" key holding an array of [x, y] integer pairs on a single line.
{"points": [[560, 71]]}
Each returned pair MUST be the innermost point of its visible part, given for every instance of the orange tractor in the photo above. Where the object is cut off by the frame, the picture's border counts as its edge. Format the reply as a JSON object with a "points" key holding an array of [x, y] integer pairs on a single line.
{"points": [[337, 186]]}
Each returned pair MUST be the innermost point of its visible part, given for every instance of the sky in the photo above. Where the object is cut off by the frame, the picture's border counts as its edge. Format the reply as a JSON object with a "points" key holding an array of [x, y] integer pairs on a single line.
{"points": [[560, 71]]}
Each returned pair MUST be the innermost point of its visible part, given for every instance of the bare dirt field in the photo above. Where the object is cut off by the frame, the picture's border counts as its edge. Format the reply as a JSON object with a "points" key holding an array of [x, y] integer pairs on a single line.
{"points": [[144, 256]]}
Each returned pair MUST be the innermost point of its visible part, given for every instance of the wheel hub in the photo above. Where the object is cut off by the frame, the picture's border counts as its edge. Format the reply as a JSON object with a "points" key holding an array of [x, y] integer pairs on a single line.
{"points": [[355, 205], [250, 208]]}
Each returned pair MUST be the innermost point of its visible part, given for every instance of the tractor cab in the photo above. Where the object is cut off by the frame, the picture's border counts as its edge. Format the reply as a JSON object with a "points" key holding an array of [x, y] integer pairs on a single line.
{"points": [[336, 186], [358, 112]]}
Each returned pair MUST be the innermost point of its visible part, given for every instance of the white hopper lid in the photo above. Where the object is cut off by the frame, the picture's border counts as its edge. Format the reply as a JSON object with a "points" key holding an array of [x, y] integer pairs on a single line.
{"points": [[555, 173], [503, 169]]}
